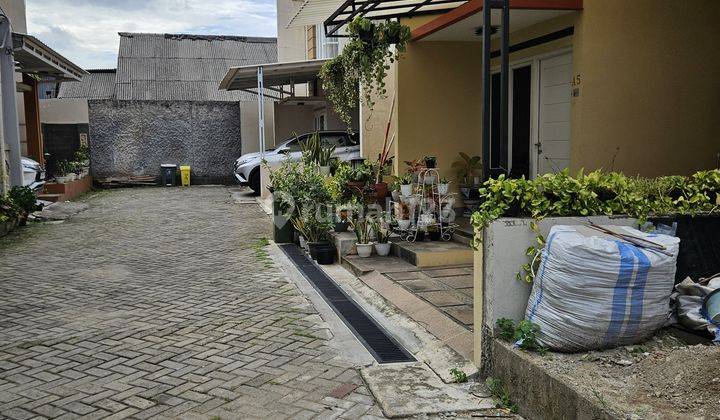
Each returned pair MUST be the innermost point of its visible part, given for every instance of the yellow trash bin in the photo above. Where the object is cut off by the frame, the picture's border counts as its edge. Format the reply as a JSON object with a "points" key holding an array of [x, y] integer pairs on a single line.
{"points": [[185, 175]]}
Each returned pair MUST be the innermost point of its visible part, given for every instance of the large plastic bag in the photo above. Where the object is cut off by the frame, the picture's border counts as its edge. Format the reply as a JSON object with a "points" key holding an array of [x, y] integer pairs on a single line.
{"points": [[689, 300], [593, 290]]}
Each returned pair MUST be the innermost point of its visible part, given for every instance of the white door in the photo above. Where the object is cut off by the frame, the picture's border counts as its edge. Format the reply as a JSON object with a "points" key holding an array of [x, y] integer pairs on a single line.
{"points": [[553, 146]]}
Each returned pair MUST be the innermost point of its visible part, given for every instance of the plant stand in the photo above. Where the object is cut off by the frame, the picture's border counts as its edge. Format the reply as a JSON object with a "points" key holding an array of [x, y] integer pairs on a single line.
{"points": [[428, 209]]}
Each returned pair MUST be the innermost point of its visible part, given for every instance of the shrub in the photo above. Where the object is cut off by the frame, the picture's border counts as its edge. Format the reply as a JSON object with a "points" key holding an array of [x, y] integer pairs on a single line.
{"points": [[24, 199], [597, 193]]}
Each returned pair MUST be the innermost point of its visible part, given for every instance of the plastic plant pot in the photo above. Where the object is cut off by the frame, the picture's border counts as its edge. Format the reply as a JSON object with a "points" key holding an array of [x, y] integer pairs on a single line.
{"points": [[383, 249], [420, 236], [403, 224], [325, 254], [434, 235], [406, 190], [364, 250], [314, 248], [443, 189], [341, 226]]}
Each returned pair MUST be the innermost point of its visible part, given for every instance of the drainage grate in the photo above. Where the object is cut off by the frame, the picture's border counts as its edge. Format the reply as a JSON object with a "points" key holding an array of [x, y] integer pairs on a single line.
{"points": [[383, 347]]}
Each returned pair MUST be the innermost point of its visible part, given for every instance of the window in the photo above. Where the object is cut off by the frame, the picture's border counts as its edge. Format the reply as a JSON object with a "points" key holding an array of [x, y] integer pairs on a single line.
{"points": [[325, 47], [320, 122], [328, 140], [295, 145]]}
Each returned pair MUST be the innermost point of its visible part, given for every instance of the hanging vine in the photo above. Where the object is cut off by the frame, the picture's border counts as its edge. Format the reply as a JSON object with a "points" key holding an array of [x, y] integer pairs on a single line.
{"points": [[364, 61]]}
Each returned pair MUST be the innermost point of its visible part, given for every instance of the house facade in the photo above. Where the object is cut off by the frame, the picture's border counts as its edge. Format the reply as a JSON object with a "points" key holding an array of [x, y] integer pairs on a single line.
{"points": [[624, 86]]}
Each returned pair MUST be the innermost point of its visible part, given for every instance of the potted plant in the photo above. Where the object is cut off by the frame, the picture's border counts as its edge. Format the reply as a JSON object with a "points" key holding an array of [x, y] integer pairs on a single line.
{"points": [[362, 230], [359, 177], [433, 233], [82, 158], [341, 218], [430, 162], [414, 167], [382, 236], [406, 185], [313, 230], [363, 61], [314, 154], [395, 188], [402, 215], [444, 186], [467, 169], [419, 235], [64, 172]]}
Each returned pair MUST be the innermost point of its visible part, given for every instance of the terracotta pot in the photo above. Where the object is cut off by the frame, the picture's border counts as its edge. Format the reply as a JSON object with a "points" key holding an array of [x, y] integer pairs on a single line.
{"points": [[381, 190]]}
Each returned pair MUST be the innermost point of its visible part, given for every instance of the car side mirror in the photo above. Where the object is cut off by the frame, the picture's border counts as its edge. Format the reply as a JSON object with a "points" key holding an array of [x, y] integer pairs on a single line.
{"points": [[284, 151]]}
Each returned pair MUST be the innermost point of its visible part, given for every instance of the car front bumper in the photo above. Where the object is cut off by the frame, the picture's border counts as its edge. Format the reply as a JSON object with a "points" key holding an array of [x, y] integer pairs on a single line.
{"points": [[242, 172], [241, 179]]}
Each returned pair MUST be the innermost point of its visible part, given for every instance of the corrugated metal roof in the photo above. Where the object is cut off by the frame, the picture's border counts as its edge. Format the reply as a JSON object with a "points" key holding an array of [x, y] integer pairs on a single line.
{"points": [[98, 84], [185, 67]]}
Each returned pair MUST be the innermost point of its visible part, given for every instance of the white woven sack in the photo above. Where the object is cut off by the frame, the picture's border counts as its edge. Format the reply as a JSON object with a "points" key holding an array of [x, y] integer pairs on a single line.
{"points": [[594, 291]]}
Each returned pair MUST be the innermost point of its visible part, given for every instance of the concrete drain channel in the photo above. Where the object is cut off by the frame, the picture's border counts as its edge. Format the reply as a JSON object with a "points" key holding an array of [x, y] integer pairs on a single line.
{"points": [[383, 347]]}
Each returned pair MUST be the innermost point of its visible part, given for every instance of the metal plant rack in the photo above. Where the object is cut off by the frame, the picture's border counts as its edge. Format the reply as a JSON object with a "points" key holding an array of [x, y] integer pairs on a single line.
{"points": [[427, 211]]}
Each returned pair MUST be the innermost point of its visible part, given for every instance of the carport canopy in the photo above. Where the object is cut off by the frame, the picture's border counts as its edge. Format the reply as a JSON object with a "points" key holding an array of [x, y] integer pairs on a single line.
{"points": [[273, 78], [34, 57]]}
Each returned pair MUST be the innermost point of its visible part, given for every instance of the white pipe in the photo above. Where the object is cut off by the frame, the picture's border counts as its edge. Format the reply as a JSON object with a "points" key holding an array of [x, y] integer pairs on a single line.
{"points": [[11, 129], [261, 110]]}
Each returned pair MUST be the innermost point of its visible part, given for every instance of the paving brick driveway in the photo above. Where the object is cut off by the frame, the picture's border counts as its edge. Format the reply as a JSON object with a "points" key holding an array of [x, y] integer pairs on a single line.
{"points": [[162, 302]]}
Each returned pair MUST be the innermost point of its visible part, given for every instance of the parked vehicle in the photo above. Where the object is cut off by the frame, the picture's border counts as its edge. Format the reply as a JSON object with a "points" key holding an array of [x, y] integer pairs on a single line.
{"points": [[247, 166], [33, 174]]}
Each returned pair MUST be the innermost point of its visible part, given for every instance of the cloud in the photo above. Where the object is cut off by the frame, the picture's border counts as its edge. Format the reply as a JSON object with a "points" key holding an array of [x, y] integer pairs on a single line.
{"points": [[86, 31]]}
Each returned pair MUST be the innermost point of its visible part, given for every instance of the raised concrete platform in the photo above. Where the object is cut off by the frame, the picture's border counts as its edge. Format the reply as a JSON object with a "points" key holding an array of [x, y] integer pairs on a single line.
{"points": [[433, 253], [397, 387], [344, 243]]}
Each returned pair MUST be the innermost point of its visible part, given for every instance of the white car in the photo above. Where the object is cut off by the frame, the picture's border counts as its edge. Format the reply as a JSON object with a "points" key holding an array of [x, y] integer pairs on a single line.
{"points": [[247, 166], [33, 174]]}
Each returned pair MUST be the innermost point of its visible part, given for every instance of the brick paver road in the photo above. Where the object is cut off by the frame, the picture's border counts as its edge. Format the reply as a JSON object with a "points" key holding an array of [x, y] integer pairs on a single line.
{"points": [[162, 302]]}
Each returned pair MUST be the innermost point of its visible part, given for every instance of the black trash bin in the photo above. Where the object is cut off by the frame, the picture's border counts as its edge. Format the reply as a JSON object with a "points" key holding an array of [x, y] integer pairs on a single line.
{"points": [[168, 171]]}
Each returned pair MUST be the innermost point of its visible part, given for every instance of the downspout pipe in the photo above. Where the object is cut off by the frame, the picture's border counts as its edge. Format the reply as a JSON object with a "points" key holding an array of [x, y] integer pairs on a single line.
{"points": [[505, 77], [10, 123], [486, 79]]}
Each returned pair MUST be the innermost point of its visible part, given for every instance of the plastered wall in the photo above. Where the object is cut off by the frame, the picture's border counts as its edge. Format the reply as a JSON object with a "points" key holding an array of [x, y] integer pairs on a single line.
{"points": [[649, 85]]}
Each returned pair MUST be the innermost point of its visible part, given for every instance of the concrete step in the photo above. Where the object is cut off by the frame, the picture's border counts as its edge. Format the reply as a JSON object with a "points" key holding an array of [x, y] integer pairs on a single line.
{"points": [[361, 266], [433, 253], [50, 197]]}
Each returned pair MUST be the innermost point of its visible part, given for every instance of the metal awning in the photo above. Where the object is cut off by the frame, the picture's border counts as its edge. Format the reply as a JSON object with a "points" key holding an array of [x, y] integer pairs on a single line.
{"points": [[272, 77], [35, 57], [275, 76], [384, 9], [312, 12]]}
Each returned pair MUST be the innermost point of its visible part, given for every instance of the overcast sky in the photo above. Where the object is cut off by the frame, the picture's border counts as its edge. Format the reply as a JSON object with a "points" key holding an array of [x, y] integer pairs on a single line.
{"points": [[86, 31]]}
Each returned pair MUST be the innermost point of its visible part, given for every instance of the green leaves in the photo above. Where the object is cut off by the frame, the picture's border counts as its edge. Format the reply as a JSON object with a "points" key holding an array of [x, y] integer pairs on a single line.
{"points": [[597, 193], [363, 62], [524, 335]]}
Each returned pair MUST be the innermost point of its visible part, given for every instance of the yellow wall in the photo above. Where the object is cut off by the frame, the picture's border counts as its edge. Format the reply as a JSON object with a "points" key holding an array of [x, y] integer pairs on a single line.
{"points": [[649, 74], [439, 103], [650, 85], [373, 122]]}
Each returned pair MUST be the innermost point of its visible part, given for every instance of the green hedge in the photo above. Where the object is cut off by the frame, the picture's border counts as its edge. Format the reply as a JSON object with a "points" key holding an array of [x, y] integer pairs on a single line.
{"points": [[597, 193]]}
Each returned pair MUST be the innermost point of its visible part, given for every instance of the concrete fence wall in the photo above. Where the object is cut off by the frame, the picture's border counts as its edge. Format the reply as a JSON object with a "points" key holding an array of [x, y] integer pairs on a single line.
{"points": [[130, 138]]}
